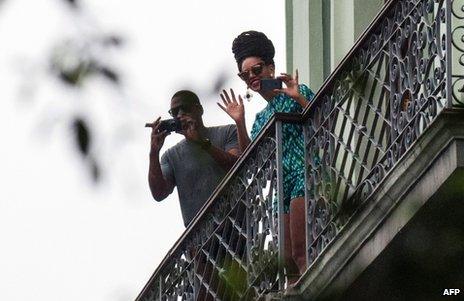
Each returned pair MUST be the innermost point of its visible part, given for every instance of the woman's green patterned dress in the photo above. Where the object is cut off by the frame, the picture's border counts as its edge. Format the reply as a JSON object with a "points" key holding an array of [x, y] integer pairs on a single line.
{"points": [[293, 142]]}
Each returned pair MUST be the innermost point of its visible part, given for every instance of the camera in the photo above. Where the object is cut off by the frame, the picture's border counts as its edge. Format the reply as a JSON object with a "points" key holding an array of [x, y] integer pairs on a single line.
{"points": [[269, 84], [169, 125]]}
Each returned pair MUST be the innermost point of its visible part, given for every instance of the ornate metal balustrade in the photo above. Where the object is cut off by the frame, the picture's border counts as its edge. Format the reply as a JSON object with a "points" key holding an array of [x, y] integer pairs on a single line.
{"points": [[455, 34], [231, 249], [404, 70], [400, 75]]}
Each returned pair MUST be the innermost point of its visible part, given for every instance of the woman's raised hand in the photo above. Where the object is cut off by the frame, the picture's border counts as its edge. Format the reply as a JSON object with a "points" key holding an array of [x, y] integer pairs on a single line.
{"points": [[232, 107]]}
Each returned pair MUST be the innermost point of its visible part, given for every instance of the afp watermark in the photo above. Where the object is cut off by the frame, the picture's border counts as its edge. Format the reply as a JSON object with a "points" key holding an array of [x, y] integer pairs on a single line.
{"points": [[451, 292]]}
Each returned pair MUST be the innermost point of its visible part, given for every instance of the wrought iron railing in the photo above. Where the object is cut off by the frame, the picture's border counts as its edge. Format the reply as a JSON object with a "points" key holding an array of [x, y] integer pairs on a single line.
{"points": [[393, 84], [403, 71], [455, 46]]}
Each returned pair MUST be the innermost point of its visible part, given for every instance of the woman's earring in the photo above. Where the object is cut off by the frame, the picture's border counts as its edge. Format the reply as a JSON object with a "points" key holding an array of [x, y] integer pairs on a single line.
{"points": [[248, 94]]}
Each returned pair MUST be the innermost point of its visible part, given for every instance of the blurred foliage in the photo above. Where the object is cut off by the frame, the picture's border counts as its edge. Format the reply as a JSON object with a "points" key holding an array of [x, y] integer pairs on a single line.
{"points": [[95, 171], [83, 140], [235, 277], [108, 73], [74, 61], [112, 40], [78, 59], [219, 83], [81, 135], [72, 3]]}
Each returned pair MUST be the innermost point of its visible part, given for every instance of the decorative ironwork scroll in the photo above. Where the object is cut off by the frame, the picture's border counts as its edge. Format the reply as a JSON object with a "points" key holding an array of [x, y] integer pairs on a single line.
{"points": [[390, 87], [456, 38], [231, 252]]}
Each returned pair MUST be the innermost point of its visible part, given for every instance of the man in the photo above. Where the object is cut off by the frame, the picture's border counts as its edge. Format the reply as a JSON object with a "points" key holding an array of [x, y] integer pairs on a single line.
{"points": [[195, 165]]}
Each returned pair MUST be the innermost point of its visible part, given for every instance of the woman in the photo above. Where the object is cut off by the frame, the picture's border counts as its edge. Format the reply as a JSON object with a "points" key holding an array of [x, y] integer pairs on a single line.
{"points": [[254, 54]]}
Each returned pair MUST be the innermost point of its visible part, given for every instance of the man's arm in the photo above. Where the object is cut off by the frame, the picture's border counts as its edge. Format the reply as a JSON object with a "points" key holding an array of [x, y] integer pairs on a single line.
{"points": [[243, 138], [225, 159], [160, 187]]}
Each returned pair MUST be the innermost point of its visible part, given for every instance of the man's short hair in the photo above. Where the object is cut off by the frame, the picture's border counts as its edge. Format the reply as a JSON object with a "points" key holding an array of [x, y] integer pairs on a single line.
{"points": [[187, 95]]}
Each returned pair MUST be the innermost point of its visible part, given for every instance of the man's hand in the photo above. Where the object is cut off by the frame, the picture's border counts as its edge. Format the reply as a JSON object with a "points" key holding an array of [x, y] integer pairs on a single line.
{"points": [[232, 107], [190, 128], [157, 138], [160, 187]]}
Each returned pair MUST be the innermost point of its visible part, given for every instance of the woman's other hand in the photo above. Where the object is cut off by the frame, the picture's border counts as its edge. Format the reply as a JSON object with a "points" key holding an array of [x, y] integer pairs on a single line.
{"points": [[232, 107], [292, 88]]}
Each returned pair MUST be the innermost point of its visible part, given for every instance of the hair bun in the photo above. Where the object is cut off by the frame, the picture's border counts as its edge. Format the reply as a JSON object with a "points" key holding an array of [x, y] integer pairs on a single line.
{"points": [[253, 43]]}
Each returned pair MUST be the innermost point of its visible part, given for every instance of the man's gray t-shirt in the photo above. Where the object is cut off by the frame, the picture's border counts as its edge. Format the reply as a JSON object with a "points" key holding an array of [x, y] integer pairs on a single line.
{"points": [[194, 171]]}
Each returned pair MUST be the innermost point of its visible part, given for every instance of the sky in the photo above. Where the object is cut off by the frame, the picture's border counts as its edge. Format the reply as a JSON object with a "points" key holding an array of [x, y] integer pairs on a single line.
{"points": [[64, 236]]}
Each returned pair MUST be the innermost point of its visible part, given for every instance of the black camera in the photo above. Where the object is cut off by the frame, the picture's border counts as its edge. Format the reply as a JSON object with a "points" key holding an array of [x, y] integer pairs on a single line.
{"points": [[169, 125], [269, 84]]}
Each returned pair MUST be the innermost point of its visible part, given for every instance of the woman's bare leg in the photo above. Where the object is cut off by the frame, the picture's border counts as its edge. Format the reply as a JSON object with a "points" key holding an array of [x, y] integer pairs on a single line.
{"points": [[298, 233], [290, 265]]}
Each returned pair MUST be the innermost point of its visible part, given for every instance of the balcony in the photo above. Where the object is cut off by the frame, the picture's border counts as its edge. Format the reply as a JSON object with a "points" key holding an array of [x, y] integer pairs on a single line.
{"points": [[384, 154]]}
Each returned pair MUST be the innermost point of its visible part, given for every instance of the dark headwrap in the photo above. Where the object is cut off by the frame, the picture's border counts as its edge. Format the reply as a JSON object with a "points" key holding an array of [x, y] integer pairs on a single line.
{"points": [[253, 43]]}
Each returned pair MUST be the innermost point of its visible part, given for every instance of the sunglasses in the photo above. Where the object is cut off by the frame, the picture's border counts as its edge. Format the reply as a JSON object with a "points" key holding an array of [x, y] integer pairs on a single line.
{"points": [[186, 108], [256, 69]]}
